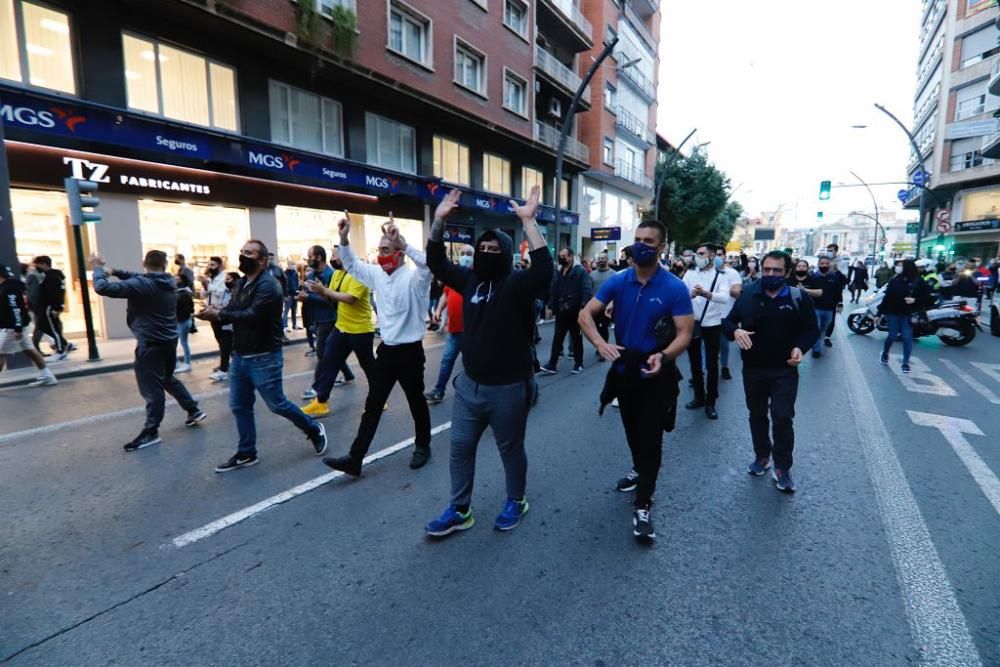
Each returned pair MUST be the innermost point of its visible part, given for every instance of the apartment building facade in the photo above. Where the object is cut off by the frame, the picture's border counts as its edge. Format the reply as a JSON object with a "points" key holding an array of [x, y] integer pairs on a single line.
{"points": [[207, 122], [956, 99]]}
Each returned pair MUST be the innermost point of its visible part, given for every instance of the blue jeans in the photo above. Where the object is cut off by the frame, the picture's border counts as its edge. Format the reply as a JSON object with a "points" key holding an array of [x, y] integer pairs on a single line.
{"points": [[823, 318], [262, 374], [899, 324], [183, 329], [452, 348]]}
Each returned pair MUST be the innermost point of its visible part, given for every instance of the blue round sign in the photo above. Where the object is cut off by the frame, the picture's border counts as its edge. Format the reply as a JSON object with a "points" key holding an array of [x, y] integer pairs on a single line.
{"points": [[921, 177], [903, 195]]}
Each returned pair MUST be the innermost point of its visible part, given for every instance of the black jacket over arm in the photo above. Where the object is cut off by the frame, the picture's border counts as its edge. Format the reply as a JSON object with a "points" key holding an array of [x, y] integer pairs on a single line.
{"points": [[778, 326], [255, 313]]}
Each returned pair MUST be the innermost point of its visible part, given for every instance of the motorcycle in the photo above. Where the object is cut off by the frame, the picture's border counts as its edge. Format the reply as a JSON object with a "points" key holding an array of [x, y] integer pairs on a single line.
{"points": [[954, 322]]}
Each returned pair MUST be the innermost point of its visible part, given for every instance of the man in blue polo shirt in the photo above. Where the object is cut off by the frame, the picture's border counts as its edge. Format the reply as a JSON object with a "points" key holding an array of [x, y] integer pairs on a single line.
{"points": [[647, 300]]}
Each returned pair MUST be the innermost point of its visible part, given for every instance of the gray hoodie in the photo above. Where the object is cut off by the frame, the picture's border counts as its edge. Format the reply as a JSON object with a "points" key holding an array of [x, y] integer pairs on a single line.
{"points": [[152, 302]]}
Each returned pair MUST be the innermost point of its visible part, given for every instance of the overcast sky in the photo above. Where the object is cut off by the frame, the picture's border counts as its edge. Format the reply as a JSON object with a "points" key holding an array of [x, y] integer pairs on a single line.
{"points": [[775, 86]]}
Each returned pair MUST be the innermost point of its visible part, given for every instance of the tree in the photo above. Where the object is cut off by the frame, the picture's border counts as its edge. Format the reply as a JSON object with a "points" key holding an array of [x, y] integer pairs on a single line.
{"points": [[720, 230], [694, 193]]}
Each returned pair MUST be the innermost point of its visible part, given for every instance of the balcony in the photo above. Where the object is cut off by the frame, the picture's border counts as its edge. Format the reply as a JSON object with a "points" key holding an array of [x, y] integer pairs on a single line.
{"points": [[632, 124], [633, 76], [549, 136], [559, 74], [994, 85], [639, 26], [991, 148], [633, 174], [572, 18], [645, 8]]}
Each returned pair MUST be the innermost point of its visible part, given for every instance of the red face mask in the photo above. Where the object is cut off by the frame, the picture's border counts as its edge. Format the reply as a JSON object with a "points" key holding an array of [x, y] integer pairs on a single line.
{"points": [[391, 262]]}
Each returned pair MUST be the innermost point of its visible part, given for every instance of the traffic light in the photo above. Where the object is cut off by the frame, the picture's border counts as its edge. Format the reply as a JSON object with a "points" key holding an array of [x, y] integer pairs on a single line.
{"points": [[819, 215], [824, 190], [80, 197]]}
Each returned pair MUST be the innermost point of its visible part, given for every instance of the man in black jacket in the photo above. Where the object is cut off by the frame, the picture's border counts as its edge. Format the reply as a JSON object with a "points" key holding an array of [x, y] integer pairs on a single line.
{"points": [[15, 326], [255, 313], [570, 291], [773, 324], [50, 304], [496, 385], [152, 317]]}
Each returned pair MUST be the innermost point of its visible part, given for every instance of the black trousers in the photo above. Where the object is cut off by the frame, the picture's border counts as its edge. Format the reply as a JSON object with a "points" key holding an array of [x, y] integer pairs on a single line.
{"points": [[710, 340], [225, 340], [567, 323], [774, 390], [47, 323], [395, 363], [833, 323], [339, 346], [602, 323], [323, 331], [154, 374], [642, 406]]}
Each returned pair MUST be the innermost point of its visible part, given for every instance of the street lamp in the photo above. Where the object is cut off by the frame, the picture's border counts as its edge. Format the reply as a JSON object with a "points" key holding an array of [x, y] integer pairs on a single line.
{"points": [[875, 205], [663, 174], [916, 150]]}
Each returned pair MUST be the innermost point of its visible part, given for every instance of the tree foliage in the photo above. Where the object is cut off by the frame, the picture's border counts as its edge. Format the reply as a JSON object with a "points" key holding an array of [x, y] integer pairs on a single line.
{"points": [[720, 230], [693, 195]]}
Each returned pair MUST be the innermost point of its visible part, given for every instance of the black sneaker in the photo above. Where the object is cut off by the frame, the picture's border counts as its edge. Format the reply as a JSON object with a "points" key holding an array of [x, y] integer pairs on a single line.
{"points": [[828, 342], [726, 375], [237, 461], [319, 440], [695, 404], [905, 368], [420, 457], [884, 359], [195, 418], [629, 482], [341, 383], [817, 354], [345, 464], [434, 397], [547, 370], [144, 439], [577, 370], [642, 525], [783, 480]]}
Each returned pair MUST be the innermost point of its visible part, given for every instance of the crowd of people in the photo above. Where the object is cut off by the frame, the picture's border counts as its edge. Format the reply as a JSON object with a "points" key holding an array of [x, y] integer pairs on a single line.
{"points": [[641, 311]]}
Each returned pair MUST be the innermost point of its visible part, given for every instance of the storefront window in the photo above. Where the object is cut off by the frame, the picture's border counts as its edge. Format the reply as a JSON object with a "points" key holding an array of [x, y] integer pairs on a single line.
{"points": [[195, 231], [41, 228], [301, 228], [412, 230], [983, 205]]}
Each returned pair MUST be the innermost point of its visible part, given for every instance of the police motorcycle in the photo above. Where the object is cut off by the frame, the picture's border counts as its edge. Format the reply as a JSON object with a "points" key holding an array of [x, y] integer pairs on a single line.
{"points": [[955, 322]]}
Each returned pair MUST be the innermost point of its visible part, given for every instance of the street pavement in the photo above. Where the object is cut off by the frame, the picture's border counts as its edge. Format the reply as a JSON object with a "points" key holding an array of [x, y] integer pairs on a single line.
{"points": [[885, 556]]}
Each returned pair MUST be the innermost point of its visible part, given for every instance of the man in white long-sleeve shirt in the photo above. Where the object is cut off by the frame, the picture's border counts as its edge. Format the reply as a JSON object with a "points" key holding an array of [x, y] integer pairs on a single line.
{"points": [[710, 296], [403, 297]]}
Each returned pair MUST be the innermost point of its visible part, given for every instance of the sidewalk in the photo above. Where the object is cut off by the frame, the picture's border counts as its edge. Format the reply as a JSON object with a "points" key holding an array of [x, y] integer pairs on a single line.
{"points": [[116, 355]]}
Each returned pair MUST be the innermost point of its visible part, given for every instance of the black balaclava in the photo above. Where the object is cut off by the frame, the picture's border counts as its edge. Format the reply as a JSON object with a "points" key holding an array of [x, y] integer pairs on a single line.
{"points": [[493, 266]]}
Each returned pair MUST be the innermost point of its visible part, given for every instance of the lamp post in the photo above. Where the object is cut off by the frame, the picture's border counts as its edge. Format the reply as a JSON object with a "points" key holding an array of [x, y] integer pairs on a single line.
{"points": [[7, 254], [663, 173], [875, 206], [916, 150]]}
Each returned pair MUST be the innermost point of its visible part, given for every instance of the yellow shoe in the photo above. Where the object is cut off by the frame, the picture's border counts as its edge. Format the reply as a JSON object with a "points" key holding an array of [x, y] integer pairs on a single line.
{"points": [[385, 407], [316, 409]]}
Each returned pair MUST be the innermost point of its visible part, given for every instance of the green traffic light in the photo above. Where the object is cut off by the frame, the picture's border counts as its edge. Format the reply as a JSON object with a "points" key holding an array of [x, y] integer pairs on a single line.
{"points": [[824, 190]]}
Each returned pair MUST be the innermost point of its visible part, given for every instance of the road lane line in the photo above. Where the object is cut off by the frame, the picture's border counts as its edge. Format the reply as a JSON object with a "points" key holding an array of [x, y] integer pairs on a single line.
{"points": [[983, 390], [239, 516], [921, 379], [936, 621], [141, 409], [991, 370], [954, 430]]}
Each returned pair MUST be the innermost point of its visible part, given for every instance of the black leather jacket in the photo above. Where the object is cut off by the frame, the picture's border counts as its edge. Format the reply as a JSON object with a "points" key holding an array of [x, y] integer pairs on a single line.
{"points": [[255, 313]]}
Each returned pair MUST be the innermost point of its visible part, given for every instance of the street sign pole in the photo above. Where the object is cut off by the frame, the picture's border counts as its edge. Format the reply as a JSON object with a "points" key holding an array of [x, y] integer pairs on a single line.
{"points": [[8, 253], [78, 218]]}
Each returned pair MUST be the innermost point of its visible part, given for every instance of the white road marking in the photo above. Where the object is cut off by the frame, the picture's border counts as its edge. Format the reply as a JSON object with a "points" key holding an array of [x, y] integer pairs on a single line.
{"points": [[983, 390], [920, 379], [936, 621], [140, 409], [954, 430], [993, 370], [214, 527]]}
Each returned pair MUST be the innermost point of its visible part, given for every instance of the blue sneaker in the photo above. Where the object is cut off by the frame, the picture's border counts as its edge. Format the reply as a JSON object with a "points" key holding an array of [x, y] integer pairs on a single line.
{"points": [[759, 466], [450, 521], [511, 515], [783, 480]]}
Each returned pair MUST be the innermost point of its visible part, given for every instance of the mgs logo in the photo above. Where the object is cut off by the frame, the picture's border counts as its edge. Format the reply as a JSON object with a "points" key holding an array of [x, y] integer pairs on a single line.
{"points": [[69, 118], [280, 161], [381, 182]]}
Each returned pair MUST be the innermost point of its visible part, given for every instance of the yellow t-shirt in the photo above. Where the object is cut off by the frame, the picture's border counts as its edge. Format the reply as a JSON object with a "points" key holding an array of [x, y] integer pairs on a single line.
{"points": [[352, 318]]}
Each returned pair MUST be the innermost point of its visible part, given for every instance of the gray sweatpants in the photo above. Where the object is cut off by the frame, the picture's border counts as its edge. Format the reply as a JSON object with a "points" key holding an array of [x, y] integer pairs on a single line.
{"points": [[504, 408]]}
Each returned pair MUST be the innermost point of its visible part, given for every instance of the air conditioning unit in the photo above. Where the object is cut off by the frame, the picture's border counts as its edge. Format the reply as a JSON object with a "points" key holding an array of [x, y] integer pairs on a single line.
{"points": [[555, 108]]}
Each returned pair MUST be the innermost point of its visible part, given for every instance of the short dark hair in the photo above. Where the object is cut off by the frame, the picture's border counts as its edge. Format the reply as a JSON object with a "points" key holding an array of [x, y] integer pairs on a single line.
{"points": [[179, 256], [155, 259], [707, 244], [42, 259], [569, 251], [657, 225], [782, 255], [233, 275], [836, 248], [319, 251], [24, 268], [261, 248], [216, 259], [627, 251]]}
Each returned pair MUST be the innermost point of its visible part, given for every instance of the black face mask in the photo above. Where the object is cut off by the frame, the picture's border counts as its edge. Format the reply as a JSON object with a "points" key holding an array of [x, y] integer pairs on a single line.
{"points": [[336, 264], [802, 273], [563, 261], [213, 272], [313, 263], [247, 264], [824, 269], [489, 265], [229, 284]]}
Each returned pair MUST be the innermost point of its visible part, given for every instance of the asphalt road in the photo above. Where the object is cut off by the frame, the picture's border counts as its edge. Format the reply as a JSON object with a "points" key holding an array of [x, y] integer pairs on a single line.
{"points": [[885, 556]]}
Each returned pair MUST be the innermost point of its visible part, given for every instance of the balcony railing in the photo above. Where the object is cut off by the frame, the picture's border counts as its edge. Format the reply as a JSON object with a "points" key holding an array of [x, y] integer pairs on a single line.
{"points": [[639, 81], [629, 121], [548, 135], [563, 75], [991, 145], [633, 174], [575, 16], [929, 105], [994, 85], [639, 26]]}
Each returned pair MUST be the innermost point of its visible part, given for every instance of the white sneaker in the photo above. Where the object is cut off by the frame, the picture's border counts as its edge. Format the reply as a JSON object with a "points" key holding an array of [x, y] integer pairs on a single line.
{"points": [[44, 381], [182, 368], [218, 376], [614, 403], [308, 394]]}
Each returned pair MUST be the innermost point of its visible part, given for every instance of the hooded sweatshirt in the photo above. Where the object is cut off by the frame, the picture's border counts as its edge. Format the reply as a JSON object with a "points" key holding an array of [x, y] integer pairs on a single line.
{"points": [[498, 314], [152, 302], [13, 311]]}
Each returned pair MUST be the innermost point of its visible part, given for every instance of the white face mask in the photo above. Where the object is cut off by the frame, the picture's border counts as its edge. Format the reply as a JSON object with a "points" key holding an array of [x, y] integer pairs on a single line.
{"points": [[700, 261], [465, 260], [899, 270]]}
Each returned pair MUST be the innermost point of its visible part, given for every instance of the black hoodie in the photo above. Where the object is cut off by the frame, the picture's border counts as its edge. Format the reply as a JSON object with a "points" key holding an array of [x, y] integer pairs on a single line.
{"points": [[499, 314], [152, 302], [13, 311]]}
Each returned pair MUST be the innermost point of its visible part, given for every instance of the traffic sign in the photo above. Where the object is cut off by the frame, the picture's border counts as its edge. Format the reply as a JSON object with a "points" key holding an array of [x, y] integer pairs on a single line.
{"points": [[921, 177], [943, 226], [912, 227], [944, 215], [903, 195]]}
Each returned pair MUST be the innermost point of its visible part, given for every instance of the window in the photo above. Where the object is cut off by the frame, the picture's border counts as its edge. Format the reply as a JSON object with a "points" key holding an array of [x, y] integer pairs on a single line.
{"points": [[470, 68], [390, 144], [970, 107], [496, 174], [178, 84], [965, 154], [515, 16], [608, 151], [515, 93], [979, 46], [409, 34], [451, 161], [610, 97], [530, 177], [609, 34], [563, 192], [982, 205], [326, 7], [305, 120], [35, 46]]}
